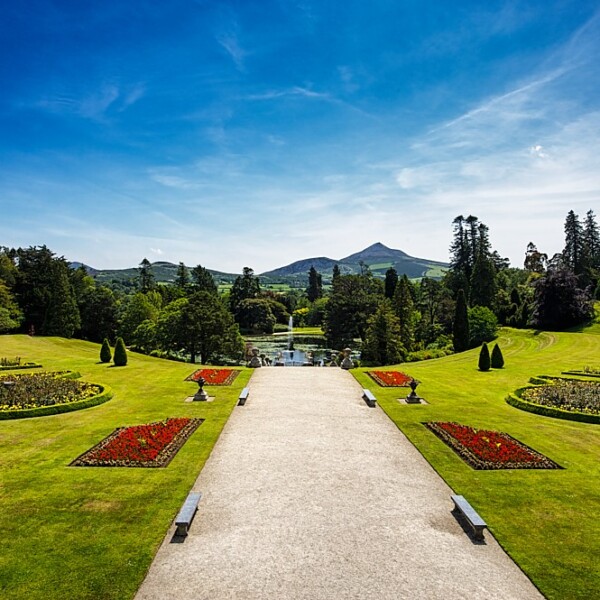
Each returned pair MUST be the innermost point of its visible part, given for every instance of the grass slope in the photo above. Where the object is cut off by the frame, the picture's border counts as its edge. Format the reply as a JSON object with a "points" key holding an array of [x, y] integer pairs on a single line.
{"points": [[546, 520], [84, 532]]}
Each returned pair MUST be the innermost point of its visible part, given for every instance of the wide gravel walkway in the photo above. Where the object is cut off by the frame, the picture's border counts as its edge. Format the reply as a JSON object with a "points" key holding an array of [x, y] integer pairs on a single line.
{"points": [[311, 494]]}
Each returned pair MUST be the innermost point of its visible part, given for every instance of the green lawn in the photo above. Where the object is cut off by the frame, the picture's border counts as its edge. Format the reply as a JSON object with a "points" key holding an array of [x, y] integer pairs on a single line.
{"points": [[546, 520], [84, 532]]}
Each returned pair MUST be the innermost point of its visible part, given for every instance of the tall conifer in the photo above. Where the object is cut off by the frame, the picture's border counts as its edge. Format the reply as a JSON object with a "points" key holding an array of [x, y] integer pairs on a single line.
{"points": [[460, 328]]}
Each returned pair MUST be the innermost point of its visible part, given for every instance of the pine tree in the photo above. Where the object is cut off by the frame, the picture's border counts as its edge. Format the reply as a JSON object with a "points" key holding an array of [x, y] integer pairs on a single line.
{"points": [[105, 353], [460, 328], [120, 355], [391, 281], [382, 345], [335, 273], [182, 279], [591, 240], [405, 310], [497, 360], [484, 358], [62, 316], [573, 251], [146, 277], [483, 281], [315, 285], [203, 280], [244, 287]]}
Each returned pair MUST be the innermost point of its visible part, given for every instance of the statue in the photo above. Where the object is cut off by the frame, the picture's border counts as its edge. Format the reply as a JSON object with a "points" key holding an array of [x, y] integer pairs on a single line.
{"points": [[201, 394], [255, 361], [347, 361]]}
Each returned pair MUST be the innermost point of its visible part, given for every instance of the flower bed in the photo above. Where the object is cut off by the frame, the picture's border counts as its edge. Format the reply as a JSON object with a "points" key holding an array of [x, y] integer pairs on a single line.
{"points": [[569, 395], [390, 378], [11, 364], [215, 376], [151, 445], [483, 449], [22, 391]]}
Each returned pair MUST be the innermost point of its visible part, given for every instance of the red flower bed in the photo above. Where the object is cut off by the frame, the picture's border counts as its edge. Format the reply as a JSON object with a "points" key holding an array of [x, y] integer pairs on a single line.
{"points": [[215, 376], [152, 445], [483, 449], [391, 378]]}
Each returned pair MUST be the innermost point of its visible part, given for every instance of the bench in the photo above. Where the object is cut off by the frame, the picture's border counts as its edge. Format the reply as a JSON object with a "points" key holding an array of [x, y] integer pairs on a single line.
{"points": [[369, 398], [243, 396], [187, 512], [468, 512]]}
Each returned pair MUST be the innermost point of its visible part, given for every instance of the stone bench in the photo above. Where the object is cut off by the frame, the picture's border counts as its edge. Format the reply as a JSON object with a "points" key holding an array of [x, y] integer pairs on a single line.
{"points": [[462, 507], [187, 512], [243, 396], [369, 398]]}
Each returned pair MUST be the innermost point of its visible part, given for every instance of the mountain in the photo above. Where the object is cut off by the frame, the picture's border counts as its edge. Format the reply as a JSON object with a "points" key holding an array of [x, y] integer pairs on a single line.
{"points": [[378, 258]]}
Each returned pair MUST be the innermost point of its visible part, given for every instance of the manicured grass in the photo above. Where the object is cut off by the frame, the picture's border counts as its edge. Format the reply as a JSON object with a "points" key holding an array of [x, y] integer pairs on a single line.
{"points": [[546, 520], [308, 331], [91, 532]]}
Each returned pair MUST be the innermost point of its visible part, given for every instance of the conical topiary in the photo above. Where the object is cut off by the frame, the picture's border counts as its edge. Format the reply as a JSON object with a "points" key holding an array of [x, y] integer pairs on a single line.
{"points": [[120, 357], [484, 358], [105, 353], [497, 358]]}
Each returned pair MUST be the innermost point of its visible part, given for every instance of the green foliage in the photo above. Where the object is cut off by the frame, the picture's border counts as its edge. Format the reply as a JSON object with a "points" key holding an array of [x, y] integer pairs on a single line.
{"points": [[246, 286], [316, 312], [182, 279], [405, 310], [62, 316], [484, 362], [497, 360], [483, 281], [315, 285], [120, 355], [460, 329], [203, 280], [105, 353], [383, 344], [98, 309], [390, 282], [255, 315], [483, 325], [146, 276], [137, 309]]}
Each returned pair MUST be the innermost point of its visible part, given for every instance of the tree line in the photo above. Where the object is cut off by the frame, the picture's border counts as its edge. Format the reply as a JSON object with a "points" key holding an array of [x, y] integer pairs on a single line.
{"points": [[392, 320]]}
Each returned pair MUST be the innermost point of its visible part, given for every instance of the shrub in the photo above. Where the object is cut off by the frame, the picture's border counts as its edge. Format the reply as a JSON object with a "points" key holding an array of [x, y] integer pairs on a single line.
{"points": [[497, 358], [483, 325], [105, 353], [120, 357], [484, 358]]}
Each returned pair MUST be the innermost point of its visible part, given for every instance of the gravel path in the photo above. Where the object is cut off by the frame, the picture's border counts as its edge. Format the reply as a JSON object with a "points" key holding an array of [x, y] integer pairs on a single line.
{"points": [[311, 494]]}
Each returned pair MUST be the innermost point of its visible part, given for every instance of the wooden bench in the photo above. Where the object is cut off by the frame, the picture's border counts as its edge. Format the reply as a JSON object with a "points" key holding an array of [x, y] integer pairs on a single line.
{"points": [[369, 398], [243, 396], [187, 512], [468, 512]]}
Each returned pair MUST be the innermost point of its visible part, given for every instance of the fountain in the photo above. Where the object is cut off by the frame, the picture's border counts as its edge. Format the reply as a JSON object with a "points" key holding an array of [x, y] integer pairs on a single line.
{"points": [[290, 339]]}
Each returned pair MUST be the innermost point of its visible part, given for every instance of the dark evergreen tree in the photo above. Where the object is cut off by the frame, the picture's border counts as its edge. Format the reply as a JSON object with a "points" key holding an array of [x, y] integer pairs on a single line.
{"points": [[98, 309], [182, 279], [460, 330], [203, 280], [572, 254], [145, 276], [391, 281], [315, 285], [62, 315], [559, 302], [105, 353], [483, 280], [484, 358], [591, 241], [120, 355], [497, 360], [244, 287], [382, 345], [335, 273], [405, 311]]}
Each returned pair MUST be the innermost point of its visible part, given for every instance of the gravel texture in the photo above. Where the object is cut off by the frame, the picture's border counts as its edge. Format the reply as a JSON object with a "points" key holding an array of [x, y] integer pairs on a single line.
{"points": [[311, 494]]}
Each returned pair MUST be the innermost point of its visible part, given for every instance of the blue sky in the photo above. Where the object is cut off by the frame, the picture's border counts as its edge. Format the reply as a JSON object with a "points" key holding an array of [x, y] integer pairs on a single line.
{"points": [[259, 132]]}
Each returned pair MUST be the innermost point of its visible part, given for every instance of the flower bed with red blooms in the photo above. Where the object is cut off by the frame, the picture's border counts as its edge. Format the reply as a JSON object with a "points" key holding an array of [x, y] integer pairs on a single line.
{"points": [[151, 445], [215, 376], [483, 449], [390, 378]]}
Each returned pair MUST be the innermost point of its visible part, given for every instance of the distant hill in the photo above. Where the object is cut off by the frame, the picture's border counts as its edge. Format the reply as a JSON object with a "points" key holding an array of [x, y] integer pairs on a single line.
{"points": [[378, 258]]}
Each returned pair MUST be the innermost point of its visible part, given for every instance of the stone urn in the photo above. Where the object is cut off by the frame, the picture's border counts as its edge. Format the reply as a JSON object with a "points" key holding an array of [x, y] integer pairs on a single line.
{"points": [[413, 398], [347, 361], [201, 394], [255, 361]]}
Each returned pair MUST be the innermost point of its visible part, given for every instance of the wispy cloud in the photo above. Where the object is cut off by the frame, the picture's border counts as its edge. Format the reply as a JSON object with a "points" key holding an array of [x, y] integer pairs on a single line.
{"points": [[231, 44]]}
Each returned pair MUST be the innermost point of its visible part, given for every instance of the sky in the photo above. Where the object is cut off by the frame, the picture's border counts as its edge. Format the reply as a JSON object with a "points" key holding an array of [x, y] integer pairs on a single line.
{"points": [[260, 132]]}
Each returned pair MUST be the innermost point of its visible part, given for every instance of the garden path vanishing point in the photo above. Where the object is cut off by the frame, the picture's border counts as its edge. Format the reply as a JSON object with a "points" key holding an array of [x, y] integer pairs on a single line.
{"points": [[310, 494]]}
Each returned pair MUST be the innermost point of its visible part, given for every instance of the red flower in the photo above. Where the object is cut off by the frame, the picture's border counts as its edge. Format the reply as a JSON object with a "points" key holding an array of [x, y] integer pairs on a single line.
{"points": [[390, 378], [215, 376]]}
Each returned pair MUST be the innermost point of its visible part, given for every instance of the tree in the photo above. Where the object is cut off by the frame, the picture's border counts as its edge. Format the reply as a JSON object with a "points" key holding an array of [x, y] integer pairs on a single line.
{"points": [[497, 361], [62, 314], [405, 310], [591, 241], [139, 308], [559, 302], [335, 273], [391, 281], [315, 285], [98, 309], [145, 276], [383, 345], [255, 314], [182, 278], [484, 358], [120, 355], [535, 260], [203, 280], [10, 313], [200, 326], [460, 329], [244, 287], [573, 251], [483, 325], [105, 353], [352, 300]]}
